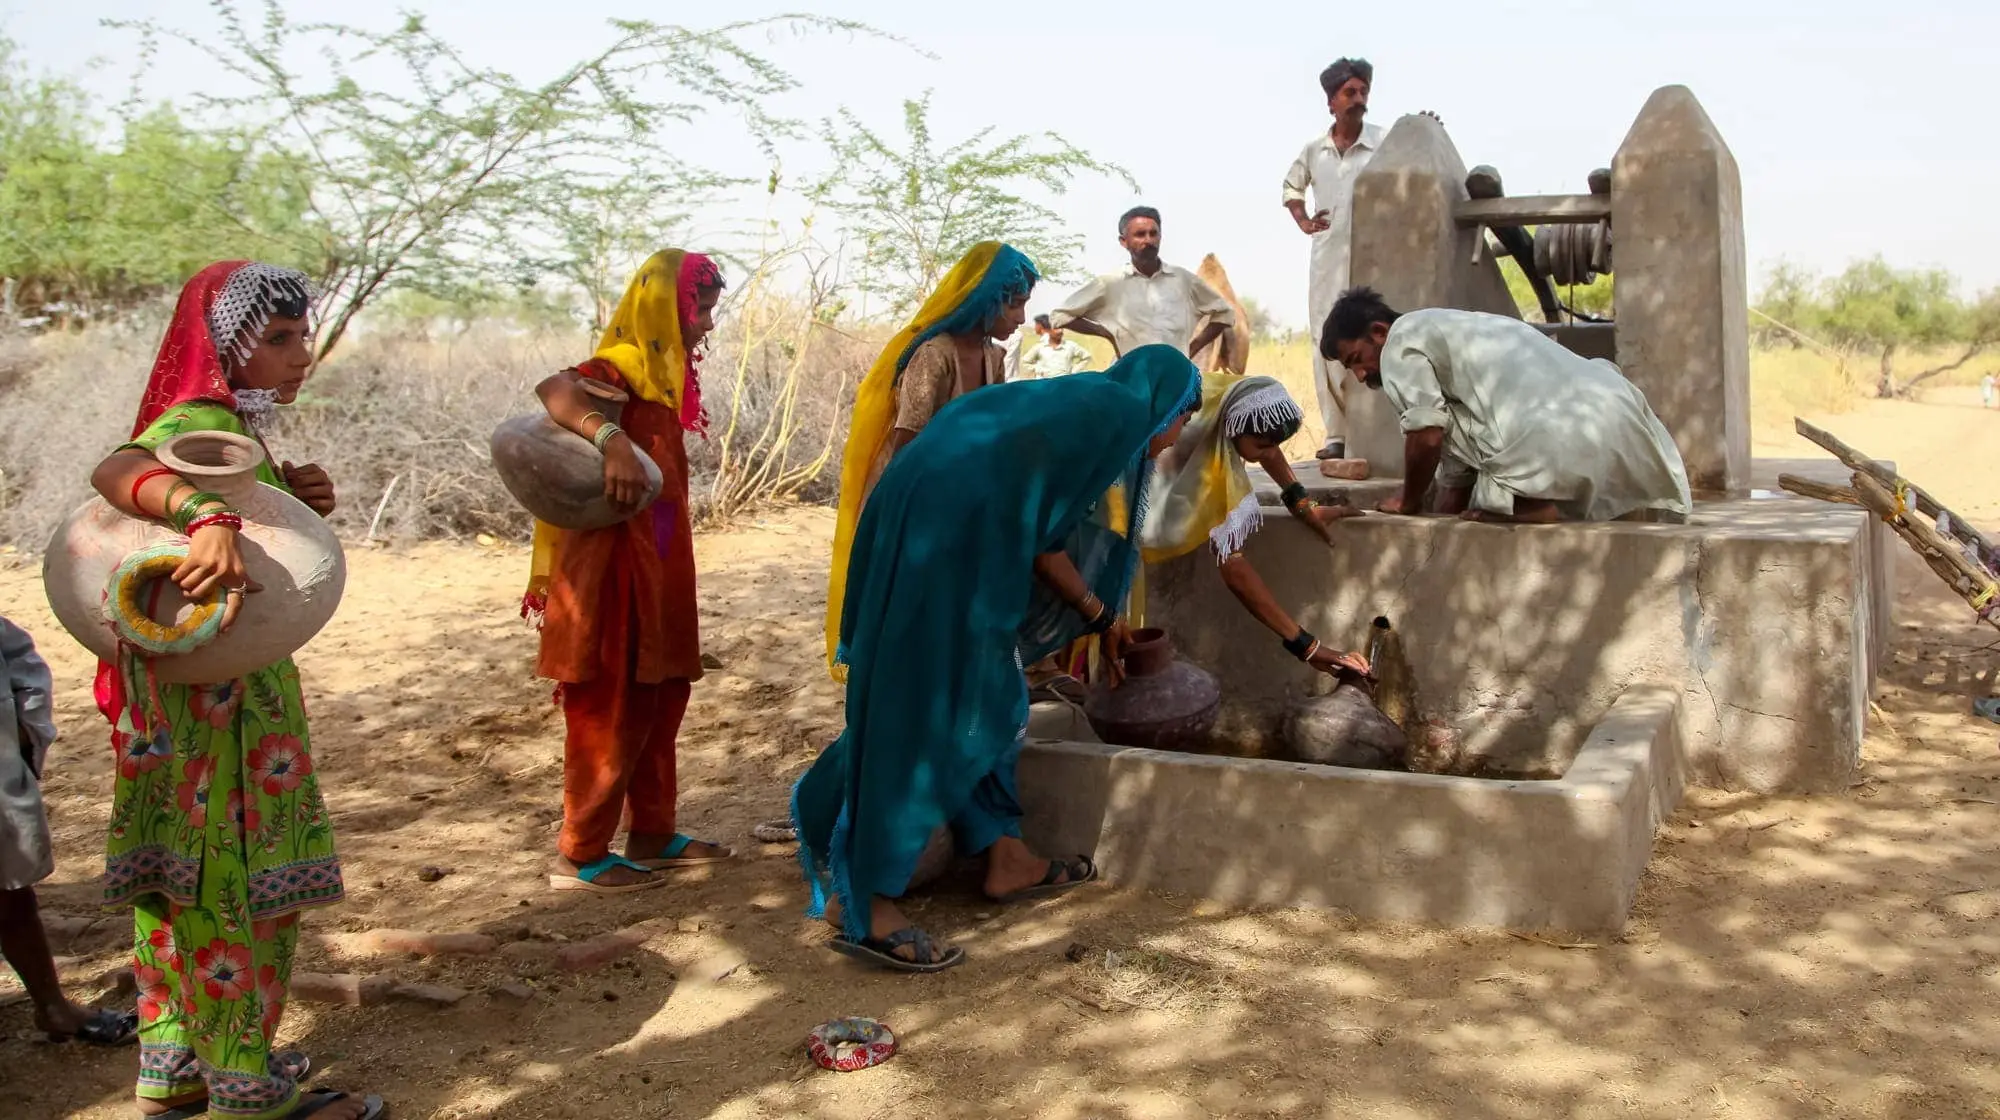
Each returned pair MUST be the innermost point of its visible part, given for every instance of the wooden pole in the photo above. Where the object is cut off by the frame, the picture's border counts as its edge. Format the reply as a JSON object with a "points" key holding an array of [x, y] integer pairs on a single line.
{"points": [[1806, 487], [1920, 498], [1977, 586]]}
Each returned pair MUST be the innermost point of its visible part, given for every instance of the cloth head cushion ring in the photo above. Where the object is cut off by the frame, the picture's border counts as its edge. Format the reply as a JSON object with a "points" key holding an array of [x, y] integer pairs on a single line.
{"points": [[125, 606], [846, 1045]]}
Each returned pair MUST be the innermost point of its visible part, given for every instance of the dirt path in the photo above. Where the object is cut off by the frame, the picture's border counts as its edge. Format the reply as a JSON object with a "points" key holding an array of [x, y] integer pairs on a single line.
{"points": [[1790, 957]]}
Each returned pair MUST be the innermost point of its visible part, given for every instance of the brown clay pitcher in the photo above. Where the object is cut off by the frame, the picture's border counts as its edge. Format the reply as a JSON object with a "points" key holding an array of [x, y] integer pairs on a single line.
{"points": [[557, 475], [1164, 704], [287, 549]]}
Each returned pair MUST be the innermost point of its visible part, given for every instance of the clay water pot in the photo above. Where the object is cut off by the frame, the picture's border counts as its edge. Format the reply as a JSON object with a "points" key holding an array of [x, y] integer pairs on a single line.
{"points": [[1345, 728], [557, 475], [1165, 704], [287, 549]]}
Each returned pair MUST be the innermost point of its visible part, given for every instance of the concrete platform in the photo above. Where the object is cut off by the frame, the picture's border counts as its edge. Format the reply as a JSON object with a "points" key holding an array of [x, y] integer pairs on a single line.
{"points": [[1525, 855], [1768, 615]]}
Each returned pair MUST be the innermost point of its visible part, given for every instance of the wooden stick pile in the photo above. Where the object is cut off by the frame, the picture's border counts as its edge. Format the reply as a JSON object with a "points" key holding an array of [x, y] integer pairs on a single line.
{"points": [[1961, 556]]}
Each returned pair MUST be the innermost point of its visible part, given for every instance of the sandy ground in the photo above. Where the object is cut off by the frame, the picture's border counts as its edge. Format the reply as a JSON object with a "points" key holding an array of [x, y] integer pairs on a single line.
{"points": [[1789, 957]]}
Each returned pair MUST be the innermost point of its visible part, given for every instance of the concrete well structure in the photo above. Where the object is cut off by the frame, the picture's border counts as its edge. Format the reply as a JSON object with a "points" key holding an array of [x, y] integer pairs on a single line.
{"points": [[1768, 615]]}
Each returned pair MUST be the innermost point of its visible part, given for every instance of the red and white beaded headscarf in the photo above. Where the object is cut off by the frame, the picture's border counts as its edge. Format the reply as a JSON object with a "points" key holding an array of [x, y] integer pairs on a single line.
{"points": [[221, 311]]}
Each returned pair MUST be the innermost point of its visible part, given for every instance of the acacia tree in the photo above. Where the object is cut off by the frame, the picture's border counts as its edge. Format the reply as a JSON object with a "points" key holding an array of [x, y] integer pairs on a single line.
{"points": [[416, 187], [915, 209], [1876, 311]]}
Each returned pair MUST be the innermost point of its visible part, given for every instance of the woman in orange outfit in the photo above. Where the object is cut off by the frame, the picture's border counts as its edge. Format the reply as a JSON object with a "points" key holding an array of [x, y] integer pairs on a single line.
{"points": [[617, 605]]}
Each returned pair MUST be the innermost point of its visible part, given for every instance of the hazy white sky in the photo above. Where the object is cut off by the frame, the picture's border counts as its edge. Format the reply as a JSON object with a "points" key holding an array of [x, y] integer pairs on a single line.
{"points": [[1857, 125]]}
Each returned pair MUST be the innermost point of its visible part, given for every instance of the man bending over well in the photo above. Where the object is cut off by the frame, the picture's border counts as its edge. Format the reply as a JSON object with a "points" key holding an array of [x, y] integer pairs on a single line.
{"points": [[1510, 424]]}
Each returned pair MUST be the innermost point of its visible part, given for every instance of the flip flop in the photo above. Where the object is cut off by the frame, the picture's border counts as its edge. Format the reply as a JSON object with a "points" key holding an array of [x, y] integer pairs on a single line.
{"points": [[1988, 708], [1080, 870], [312, 1103], [670, 857], [586, 876], [881, 951], [105, 1027]]}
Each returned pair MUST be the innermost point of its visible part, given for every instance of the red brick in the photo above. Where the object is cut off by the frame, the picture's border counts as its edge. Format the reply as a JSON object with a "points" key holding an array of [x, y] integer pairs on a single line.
{"points": [[345, 988], [604, 948], [386, 941]]}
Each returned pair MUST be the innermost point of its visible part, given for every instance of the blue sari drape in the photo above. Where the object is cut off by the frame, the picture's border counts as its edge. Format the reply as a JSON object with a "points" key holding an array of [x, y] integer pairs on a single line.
{"points": [[943, 608]]}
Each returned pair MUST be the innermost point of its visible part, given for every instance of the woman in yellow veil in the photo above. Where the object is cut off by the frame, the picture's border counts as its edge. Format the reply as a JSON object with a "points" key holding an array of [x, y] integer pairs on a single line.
{"points": [[617, 605], [948, 349], [1200, 493]]}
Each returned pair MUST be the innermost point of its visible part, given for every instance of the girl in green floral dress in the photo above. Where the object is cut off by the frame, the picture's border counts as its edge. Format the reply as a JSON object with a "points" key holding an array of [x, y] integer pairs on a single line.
{"points": [[219, 838]]}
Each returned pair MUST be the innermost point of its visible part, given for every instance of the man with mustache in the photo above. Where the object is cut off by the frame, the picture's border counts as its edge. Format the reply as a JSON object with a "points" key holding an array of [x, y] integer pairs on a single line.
{"points": [[1150, 301], [1511, 426], [1328, 167]]}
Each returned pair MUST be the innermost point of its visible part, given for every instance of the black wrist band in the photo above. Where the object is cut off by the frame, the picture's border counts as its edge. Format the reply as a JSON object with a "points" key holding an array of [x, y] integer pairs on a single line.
{"points": [[1292, 495], [1101, 623], [1300, 646]]}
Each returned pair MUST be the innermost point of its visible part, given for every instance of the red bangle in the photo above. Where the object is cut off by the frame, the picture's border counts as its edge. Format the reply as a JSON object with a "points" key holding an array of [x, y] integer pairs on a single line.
{"points": [[232, 520], [156, 472]]}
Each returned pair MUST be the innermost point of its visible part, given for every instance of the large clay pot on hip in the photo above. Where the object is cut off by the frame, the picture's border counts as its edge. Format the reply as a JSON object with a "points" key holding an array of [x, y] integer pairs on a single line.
{"points": [[288, 550], [557, 475], [1164, 704]]}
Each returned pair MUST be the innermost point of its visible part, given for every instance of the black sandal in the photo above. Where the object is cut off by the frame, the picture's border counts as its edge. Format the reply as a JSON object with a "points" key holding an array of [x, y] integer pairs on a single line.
{"points": [[312, 1103], [105, 1027], [881, 951], [1080, 871]]}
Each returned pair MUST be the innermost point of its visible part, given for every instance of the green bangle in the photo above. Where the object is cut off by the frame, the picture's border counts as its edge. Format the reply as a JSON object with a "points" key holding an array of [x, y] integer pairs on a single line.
{"points": [[193, 507], [167, 503], [603, 435]]}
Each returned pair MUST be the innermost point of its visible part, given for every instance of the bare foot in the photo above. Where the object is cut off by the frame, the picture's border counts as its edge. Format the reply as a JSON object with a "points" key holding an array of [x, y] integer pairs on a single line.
{"points": [[1013, 866], [613, 876], [61, 1019]]}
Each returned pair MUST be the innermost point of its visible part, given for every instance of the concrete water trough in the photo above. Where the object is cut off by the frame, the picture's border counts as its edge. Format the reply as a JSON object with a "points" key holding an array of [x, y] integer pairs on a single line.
{"points": [[1562, 854]]}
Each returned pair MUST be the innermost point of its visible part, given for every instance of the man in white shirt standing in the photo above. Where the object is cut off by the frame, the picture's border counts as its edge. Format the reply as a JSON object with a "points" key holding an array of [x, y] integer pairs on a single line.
{"points": [[1150, 301], [1328, 167], [1053, 354], [1510, 424]]}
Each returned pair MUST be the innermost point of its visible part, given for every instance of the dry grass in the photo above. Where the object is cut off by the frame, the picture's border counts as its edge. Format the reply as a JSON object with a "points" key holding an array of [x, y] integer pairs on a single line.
{"points": [[1151, 980], [400, 419]]}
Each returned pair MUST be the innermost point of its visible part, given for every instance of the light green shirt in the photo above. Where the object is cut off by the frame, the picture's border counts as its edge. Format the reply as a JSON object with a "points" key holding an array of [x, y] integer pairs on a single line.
{"points": [[1041, 360]]}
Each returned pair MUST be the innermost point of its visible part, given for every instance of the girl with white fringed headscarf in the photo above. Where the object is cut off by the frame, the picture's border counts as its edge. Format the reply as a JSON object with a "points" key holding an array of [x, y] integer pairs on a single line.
{"points": [[1200, 493]]}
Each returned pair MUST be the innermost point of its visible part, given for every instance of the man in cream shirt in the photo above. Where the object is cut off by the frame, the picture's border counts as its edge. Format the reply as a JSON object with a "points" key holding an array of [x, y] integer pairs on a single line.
{"points": [[1150, 301], [1328, 167], [1509, 424]]}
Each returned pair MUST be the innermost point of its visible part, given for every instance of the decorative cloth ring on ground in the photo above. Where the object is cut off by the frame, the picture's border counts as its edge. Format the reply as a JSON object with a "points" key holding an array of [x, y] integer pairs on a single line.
{"points": [[846, 1045], [125, 610]]}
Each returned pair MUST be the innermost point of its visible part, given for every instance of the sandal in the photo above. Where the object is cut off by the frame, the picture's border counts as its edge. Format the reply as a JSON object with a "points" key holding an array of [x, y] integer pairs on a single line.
{"points": [[1080, 871], [881, 951], [777, 830], [670, 857], [105, 1027], [586, 877], [314, 1102]]}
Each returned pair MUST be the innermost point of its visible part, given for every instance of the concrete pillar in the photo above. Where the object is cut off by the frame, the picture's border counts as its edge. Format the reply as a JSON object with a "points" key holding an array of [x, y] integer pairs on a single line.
{"points": [[1681, 296], [1407, 247]]}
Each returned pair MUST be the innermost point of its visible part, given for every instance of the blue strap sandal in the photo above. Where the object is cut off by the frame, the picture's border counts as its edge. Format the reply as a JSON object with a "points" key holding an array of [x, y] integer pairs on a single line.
{"points": [[881, 951], [674, 855], [586, 877]]}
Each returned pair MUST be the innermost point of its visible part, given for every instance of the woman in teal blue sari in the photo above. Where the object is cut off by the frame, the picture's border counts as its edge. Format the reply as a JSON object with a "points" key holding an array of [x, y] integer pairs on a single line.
{"points": [[982, 547]]}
